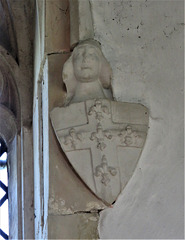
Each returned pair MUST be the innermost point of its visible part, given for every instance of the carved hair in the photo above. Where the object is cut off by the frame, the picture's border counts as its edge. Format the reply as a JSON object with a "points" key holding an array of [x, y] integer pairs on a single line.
{"points": [[68, 73]]}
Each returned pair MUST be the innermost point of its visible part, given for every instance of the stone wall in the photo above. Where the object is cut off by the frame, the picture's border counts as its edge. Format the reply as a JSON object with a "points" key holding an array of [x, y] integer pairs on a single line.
{"points": [[16, 53], [143, 41]]}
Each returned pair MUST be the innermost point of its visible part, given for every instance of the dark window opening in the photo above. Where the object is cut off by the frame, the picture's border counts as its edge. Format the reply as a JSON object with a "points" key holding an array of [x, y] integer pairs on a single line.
{"points": [[4, 223]]}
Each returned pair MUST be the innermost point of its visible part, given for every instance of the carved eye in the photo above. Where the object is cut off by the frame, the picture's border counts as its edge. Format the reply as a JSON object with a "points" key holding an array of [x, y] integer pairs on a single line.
{"points": [[93, 56], [78, 54]]}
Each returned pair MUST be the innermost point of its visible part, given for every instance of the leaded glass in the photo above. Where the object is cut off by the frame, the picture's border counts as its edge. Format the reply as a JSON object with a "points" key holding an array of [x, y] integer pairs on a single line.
{"points": [[4, 225]]}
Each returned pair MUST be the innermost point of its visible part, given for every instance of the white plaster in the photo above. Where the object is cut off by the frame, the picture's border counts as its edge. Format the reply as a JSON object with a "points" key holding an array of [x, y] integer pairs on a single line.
{"points": [[143, 41]]}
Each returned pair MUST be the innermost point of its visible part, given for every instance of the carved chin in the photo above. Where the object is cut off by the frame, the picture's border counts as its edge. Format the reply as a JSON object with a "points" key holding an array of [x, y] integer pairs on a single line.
{"points": [[86, 77]]}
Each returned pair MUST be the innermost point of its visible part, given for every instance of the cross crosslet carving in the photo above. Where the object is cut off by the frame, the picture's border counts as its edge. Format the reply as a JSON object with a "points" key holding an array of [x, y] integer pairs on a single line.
{"points": [[99, 136], [92, 133], [99, 139], [81, 137]]}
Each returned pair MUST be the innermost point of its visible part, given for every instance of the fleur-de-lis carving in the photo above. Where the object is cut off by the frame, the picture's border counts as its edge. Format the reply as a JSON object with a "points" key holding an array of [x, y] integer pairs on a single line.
{"points": [[104, 171], [98, 109], [100, 136], [130, 137], [72, 139]]}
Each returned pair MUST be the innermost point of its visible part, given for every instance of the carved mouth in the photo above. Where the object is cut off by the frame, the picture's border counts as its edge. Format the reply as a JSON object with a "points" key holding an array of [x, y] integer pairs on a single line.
{"points": [[85, 68]]}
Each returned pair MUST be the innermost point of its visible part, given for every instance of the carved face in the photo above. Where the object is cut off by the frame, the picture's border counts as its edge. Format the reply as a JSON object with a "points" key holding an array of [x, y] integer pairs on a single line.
{"points": [[86, 63]]}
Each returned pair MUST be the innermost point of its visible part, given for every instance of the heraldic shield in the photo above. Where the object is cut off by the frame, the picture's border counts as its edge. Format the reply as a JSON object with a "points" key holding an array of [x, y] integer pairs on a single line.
{"points": [[103, 141]]}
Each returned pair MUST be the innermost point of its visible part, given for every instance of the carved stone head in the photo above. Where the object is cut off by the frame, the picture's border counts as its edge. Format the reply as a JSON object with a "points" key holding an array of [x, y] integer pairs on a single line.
{"points": [[87, 74]]}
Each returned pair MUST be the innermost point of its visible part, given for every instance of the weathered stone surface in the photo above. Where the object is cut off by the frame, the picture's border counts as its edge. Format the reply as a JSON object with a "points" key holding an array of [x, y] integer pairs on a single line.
{"points": [[96, 134], [67, 193], [57, 26], [39, 45], [56, 86], [23, 19], [87, 74], [9, 95], [77, 226], [18, 97], [102, 149], [8, 127], [72, 195], [7, 32], [81, 22]]}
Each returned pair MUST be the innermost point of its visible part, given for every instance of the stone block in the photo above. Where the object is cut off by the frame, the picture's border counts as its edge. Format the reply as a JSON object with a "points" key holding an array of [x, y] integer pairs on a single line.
{"points": [[77, 226], [56, 86], [81, 24], [57, 26]]}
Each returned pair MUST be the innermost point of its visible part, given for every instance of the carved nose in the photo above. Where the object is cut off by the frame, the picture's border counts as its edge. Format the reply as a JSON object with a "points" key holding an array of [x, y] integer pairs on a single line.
{"points": [[84, 57]]}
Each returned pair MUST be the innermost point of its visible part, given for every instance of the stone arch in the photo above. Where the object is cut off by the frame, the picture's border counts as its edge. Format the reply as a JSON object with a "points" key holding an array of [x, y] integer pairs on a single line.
{"points": [[10, 126], [7, 31], [9, 97], [16, 105]]}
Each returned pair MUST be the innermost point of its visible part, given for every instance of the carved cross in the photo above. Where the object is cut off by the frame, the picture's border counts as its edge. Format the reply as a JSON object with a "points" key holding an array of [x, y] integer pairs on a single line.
{"points": [[100, 136], [94, 135]]}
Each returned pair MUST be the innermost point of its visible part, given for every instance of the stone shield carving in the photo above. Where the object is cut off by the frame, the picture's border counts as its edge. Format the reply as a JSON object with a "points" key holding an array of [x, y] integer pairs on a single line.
{"points": [[103, 141]]}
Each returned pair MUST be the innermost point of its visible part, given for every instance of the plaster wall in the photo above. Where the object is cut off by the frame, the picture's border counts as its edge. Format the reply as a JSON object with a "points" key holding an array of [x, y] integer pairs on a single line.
{"points": [[143, 41]]}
